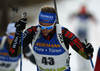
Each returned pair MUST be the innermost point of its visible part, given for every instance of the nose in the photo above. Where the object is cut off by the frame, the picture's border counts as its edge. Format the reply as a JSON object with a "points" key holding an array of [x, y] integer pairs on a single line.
{"points": [[44, 29]]}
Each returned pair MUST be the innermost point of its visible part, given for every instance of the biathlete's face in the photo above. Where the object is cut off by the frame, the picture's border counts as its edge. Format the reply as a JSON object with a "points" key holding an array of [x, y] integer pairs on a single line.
{"points": [[46, 28]]}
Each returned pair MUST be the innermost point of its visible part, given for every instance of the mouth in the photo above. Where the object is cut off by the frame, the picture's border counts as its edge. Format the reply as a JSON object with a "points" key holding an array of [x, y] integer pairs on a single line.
{"points": [[45, 32]]}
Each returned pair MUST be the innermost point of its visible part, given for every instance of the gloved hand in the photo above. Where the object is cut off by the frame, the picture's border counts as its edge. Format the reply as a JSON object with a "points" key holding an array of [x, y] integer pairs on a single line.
{"points": [[88, 48], [21, 24]]}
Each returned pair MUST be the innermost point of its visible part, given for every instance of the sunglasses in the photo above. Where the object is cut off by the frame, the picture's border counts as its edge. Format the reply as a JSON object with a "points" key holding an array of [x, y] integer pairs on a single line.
{"points": [[11, 36], [46, 27]]}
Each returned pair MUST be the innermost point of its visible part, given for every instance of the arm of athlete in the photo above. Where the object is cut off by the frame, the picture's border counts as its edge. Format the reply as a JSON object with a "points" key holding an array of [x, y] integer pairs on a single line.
{"points": [[77, 45], [27, 37], [29, 55], [92, 17]]}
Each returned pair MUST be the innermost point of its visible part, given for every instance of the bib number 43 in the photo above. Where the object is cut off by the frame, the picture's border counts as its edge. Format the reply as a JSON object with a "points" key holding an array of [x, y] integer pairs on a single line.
{"points": [[48, 60]]}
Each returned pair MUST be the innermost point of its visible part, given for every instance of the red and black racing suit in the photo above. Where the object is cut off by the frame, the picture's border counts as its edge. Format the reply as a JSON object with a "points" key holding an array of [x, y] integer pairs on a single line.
{"points": [[69, 39]]}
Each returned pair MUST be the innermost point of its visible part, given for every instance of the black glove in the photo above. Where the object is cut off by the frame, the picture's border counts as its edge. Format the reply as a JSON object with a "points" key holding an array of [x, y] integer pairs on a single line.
{"points": [[21, 24], [88, 48]]}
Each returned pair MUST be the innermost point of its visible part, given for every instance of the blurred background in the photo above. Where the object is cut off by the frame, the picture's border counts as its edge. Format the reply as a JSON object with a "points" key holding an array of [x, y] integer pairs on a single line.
{"points": [[11, 10]]}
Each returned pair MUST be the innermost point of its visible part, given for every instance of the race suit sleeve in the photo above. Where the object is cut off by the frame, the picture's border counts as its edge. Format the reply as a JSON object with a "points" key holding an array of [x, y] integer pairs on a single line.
{"points": [[74, 42], [29, 55], [15, 47]]}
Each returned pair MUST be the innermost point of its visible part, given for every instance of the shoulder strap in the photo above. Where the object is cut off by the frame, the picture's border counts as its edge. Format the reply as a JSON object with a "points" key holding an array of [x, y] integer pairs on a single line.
{"points": [[60, 37], [36, 36], [3, 41]]}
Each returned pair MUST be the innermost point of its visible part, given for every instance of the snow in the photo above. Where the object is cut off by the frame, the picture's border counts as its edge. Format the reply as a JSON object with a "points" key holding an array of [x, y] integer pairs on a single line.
{"points": [[65, 8]]}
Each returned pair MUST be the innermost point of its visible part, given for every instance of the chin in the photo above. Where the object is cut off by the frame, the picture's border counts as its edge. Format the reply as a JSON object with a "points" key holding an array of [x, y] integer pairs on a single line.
{"points": [[45, 34]]}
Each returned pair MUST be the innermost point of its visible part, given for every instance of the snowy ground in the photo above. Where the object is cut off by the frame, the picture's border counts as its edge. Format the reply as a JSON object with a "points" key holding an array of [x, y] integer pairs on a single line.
{"points": [[65, 8]]}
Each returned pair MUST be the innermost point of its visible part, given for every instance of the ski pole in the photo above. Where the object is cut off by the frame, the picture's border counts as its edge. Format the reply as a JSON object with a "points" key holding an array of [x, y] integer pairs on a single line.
{"points": [[23, 16], [90, 57], [56, 11], [91, 62]]}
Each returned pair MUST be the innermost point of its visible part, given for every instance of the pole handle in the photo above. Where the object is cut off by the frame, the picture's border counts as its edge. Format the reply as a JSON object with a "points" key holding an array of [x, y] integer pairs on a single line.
{"points": [[90, 57]]}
